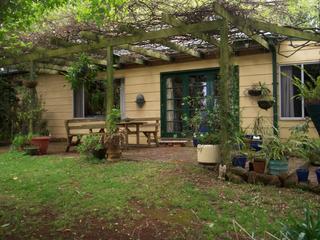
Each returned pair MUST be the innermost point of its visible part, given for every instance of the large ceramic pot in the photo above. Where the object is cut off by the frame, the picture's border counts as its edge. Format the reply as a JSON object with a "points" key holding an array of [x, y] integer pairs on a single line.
{"points": [[208, 154], [278, 167], [42, 143], [313, 110]]}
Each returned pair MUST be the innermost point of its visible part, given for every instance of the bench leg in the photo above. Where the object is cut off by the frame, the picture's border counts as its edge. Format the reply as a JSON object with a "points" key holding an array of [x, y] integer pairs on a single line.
{"points": [[69, 141], [156, 139]]}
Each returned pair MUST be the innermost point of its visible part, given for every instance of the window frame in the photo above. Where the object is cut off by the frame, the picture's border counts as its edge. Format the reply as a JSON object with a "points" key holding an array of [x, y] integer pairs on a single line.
{"points": [[122, 89], [303, 117]]}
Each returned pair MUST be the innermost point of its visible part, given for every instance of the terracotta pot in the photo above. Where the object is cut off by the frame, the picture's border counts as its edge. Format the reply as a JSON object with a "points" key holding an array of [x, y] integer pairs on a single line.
{"points": [[42, 143], [259, 166]]}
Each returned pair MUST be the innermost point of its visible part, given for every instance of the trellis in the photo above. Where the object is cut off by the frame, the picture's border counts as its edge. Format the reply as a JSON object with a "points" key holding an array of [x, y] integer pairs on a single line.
{"points": [[252, 28]]}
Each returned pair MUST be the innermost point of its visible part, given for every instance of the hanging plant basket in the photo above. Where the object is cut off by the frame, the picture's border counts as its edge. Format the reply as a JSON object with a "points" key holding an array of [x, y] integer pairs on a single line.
{"points": [[265, 104], [30, 83], [254, 92]]}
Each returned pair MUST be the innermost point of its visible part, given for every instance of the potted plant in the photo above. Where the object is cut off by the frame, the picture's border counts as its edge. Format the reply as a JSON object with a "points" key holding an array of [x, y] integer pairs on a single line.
{"points": [[266, 101], [258, 161], [255, 91], [208, 150], [42, 137], [276, 153], [92, 145], [239, 157], [20, 141], [310, 92], [113, 137]]}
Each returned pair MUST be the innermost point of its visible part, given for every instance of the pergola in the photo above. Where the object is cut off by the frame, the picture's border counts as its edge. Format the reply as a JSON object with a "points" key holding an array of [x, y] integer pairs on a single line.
{"points": [[216, 33]]}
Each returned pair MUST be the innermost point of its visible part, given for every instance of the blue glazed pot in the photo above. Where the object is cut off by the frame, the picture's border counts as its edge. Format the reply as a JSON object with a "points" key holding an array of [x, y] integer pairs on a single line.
{"points": [[239, 161], [318, 175], [302, 174], [278, 167], [195, 141], [255, 145]]}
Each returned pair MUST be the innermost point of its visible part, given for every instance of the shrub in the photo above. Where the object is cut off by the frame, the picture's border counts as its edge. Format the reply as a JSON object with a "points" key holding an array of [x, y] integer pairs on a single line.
{"points": [[305, 229], [90, 143], [20, 141]]}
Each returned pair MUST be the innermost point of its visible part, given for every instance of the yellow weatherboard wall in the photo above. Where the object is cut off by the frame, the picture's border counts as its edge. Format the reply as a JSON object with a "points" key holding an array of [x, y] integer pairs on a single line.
{"points": [[252, 69]]}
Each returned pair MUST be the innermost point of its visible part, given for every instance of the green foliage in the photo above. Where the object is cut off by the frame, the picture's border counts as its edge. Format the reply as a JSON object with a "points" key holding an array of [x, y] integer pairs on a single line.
{"points": [[208, 138], [81, 73], [89, 143], [205, 115], [112, 120], [8, 109], [20, 141], [309, 91], [305, 229], [30, 111]]}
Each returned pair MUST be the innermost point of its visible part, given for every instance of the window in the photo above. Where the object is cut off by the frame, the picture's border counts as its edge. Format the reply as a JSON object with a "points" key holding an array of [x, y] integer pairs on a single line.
{"points": [[91, 102], [291, 106]]}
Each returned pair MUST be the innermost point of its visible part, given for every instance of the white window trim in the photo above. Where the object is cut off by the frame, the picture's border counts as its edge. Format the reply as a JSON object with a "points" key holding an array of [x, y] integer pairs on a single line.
{"points": [[122, 101], [279, 89]]}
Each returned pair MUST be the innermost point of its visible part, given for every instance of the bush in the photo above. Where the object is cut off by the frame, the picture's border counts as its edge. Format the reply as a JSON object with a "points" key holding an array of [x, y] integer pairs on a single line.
{"points": [[90, 143], [20, 141]]}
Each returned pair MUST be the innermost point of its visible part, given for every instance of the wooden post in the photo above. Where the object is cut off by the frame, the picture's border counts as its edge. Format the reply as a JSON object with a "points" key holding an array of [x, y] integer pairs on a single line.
{"points": [[32, 93], [224, 91], [109, 82]]}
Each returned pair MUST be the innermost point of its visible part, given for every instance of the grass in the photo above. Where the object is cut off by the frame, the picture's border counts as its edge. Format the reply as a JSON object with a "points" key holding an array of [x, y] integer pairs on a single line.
{"points": [[60, 197]]}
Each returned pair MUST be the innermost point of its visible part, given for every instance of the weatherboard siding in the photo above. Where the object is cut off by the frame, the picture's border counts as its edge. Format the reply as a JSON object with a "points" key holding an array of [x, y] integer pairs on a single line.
{"points": [[252, 69]]}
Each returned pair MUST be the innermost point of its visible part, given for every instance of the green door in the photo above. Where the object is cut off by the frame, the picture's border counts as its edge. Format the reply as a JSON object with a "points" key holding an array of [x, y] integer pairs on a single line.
{"points": [[175, 87]]}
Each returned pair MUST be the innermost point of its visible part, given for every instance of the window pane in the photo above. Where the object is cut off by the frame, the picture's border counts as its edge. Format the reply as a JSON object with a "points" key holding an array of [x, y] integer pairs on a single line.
{"points": [[311, 71], [290, 105]]}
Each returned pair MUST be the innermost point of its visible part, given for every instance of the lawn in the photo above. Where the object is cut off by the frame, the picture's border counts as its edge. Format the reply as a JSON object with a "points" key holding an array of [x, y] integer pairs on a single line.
{"points": [[70, 198]]}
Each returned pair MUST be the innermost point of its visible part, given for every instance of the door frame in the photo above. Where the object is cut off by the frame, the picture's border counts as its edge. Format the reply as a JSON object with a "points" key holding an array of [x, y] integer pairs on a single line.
{"points": [[163, 93]]}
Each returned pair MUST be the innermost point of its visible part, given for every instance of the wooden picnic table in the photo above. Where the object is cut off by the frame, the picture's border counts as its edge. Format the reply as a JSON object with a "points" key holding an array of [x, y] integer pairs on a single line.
{"points": [[127, 124]]}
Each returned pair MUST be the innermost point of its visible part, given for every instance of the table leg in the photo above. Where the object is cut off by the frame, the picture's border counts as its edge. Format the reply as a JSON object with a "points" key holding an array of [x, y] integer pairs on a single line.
{"points": [[127, 136], [138, 132]]}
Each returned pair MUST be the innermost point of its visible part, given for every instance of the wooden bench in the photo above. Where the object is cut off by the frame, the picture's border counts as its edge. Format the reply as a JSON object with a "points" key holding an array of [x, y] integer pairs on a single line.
{"points": [[78, 127], [150, 129]]}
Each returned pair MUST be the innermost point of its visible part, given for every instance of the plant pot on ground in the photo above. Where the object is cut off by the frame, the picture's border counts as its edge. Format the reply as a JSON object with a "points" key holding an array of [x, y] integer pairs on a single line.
{"points": [[239, 161], [42, 142], [318, 175], [302, 174], [113, 137], [92, 145], [208, 149], [31, 150]]}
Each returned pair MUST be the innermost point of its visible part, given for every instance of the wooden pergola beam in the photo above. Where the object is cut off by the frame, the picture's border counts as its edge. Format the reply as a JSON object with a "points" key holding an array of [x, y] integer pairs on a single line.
{"points": [[247, 26], [147, 52], [181, 48], [114, 41], [52, 67], [176, 22], [240, 23], [130, 59], [109, 83]]}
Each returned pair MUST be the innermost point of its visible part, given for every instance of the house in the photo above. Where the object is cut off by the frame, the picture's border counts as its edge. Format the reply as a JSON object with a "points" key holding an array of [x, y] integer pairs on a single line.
{"points": [[163, 85]]}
